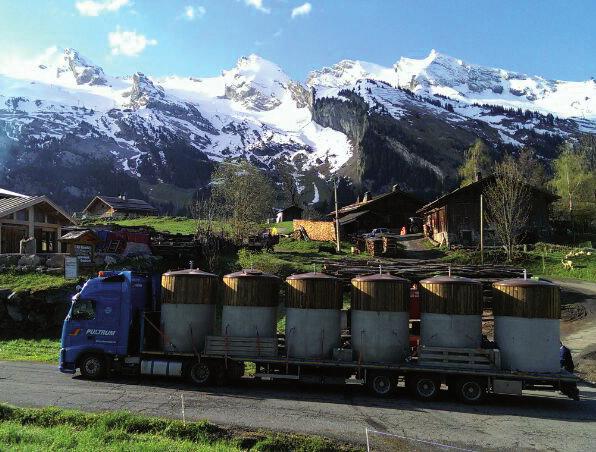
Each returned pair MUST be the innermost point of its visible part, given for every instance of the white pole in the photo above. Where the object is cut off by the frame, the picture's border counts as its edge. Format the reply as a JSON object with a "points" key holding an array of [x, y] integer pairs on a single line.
{"points": [[337, 241], [481, 229], [183, 414]]}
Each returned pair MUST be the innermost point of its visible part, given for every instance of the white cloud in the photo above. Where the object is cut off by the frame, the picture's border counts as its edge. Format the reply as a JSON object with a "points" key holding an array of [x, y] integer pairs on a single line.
{"points": [[13, 63], [258, 4], [95, 8], [128, 43], [192, 13], [301, 10]]}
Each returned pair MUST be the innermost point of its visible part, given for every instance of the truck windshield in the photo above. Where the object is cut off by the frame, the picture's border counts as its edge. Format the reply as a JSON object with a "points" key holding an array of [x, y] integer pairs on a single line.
{"points": [[83, 309]]}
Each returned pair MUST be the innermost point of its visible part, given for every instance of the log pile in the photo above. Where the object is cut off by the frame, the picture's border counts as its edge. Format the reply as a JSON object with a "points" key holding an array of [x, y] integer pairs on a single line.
{"points": [[374, 246], [323, 231]]}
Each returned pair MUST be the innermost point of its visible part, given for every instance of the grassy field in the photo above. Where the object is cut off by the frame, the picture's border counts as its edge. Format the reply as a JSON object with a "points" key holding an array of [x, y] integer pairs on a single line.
{"points": [[27, 429], [184, 225], [293, 256], [33, 281], [41, 350], [544, 260]]}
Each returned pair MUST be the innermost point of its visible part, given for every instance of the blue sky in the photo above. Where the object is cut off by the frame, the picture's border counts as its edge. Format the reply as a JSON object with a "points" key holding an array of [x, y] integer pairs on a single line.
{"points": [[555, 39]]}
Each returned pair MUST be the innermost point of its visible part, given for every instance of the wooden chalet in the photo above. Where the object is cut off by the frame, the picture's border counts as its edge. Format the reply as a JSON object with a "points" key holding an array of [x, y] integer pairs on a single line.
{"points": [[454, 218], [388, 210], [118, 207], [24, 217]]}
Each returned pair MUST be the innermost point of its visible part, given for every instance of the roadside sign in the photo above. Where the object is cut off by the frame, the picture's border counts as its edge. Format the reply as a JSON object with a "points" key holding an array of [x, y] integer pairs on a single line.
{"points": [[71, 267]]}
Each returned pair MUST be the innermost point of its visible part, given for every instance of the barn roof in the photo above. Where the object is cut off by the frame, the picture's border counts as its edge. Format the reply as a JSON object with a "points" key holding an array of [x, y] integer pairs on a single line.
{"points": [[129, 204], [79, 234], [369, 204], [9, 206], [474, 186]]}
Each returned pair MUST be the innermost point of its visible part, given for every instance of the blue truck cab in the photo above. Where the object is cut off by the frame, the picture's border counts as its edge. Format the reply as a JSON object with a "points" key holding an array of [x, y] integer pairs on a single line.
{"points": [[103, 324]]}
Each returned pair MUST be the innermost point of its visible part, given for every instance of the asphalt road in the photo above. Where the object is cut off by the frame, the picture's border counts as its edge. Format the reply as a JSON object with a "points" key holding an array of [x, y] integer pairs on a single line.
{"points": [[550, 421]]}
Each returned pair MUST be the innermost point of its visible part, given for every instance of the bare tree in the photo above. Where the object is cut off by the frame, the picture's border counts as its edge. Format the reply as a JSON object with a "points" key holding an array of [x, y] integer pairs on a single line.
{"points": [[206, 213], [507, 204], [244, 194]]}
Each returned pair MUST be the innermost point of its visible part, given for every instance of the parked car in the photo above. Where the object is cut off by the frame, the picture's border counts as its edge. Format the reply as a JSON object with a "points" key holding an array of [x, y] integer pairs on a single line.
{"points": [[377, 232]]}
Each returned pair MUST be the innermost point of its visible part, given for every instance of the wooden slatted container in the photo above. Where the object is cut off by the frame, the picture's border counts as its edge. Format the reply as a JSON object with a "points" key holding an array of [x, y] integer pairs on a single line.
{"points": [[527, 325], [380, 292], [313, 291], [188, 309], [251, 288], [191, 286], [527, 298], [451, 295]]}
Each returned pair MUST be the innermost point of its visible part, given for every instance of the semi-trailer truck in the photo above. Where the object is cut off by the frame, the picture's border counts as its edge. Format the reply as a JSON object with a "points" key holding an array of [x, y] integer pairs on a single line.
{"points": [[113, 327]]}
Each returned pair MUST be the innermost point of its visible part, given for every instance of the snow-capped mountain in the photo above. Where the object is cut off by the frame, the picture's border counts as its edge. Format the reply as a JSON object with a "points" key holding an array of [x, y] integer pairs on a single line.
{"points": [[70, 130]]}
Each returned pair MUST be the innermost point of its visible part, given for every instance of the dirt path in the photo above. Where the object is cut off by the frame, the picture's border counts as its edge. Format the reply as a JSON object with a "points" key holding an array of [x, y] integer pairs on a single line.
{"points": [[416, 249], [578, 324]]}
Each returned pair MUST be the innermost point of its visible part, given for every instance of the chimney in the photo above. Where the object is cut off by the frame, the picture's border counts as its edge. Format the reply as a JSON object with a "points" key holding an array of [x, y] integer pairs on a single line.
{"points": [[478, 176], [358, 199], [367, 197], [395, 187]]}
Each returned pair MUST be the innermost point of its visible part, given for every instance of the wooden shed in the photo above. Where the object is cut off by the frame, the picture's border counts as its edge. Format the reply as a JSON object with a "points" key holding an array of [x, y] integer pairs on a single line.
{"points": [[388, 210], [454, 218], [118, 207], [81, 244]]}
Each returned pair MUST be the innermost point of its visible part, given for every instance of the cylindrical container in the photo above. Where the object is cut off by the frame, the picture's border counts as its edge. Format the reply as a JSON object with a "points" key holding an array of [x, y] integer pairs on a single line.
{"points": [[527, 325], [380, 318], [187, 309], [313, 315], [250, 300], [450, 312]]}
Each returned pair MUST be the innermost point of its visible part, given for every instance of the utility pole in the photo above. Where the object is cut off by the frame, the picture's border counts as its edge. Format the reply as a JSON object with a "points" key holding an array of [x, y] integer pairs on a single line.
{"points": [[481, 229], [337, 241]]}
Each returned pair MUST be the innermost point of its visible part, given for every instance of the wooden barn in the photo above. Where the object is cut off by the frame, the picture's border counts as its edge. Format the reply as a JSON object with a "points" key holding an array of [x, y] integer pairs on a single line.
{"points": [[388, 210], [25, 217], [118, 207], [454, 218], [289, 213]]}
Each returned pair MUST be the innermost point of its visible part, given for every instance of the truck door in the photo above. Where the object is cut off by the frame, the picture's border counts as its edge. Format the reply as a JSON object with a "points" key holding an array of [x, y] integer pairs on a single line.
{"points": [[108, 323], [81, 318]]}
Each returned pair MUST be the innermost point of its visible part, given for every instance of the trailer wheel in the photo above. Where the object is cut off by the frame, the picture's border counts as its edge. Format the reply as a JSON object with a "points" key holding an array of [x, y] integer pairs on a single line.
{"points": [[381, 385], [424, 387], [93, 366], [471, 390], [200, 373]]}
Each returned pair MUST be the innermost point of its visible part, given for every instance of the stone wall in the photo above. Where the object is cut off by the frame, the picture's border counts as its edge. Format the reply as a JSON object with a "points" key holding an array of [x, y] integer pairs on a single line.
{"points": [[38, 314]]}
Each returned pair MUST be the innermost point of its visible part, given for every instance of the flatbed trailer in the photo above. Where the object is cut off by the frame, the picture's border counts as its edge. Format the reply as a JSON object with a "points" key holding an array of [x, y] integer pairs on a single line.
{"points": [[470, 374]]}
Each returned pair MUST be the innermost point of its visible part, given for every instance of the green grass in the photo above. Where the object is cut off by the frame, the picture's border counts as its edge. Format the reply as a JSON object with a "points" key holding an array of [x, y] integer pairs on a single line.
{"points": [[293, 256], [28, 429], [40, 350], [174, 225], [33, 282], [543, 260]]}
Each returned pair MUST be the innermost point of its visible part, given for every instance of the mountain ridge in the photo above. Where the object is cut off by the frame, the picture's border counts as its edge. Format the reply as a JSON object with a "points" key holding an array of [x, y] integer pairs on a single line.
{"points": [[345, 119]]}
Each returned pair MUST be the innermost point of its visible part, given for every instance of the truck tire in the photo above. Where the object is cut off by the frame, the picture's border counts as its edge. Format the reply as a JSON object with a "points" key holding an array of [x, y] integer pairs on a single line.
{"points": [[471, 390], [200, 373], [381, 384], [93, 366], [424, 387]]}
